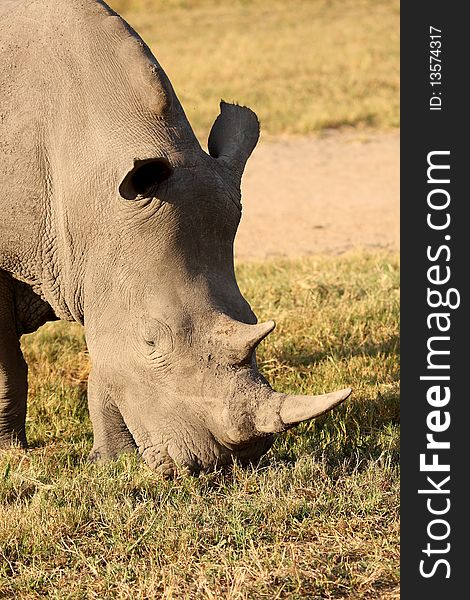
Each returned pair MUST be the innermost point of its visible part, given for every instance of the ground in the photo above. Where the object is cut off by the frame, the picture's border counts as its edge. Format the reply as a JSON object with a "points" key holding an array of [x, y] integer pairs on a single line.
{"points": [[315, 194]]}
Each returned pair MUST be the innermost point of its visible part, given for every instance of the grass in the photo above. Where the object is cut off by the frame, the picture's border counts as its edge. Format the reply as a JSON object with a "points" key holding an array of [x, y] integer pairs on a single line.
{"points": [[317, 518], [303, 66]]}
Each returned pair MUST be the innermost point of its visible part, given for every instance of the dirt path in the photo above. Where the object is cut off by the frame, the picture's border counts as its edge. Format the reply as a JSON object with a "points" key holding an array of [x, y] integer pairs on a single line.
{"points": [[312, 195]]}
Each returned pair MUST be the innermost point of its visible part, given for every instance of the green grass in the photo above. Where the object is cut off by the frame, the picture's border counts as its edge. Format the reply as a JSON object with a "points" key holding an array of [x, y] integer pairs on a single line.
{"points": [[317, 518], [303, 66]]}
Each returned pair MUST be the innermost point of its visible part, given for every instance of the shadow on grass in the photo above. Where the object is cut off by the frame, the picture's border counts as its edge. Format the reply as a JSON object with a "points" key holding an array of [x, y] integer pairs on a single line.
{"points": [[349, 438]]}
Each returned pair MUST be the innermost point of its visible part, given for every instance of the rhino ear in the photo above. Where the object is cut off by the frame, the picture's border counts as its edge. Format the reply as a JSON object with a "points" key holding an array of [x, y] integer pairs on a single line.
{"points": [[144, 177], [233, 136]]}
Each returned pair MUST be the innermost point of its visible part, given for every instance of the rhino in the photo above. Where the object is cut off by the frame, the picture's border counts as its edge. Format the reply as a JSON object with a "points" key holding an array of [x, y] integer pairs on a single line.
{"points": [[113, 216]]}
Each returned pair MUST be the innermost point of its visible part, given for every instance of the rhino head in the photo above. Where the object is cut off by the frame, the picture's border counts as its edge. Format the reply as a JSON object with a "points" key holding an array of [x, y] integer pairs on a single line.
{"points": [[171, 338]]}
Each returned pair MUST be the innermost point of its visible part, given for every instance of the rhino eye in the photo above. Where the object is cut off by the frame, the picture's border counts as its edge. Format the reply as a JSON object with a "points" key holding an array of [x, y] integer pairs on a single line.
{"points": [[158, 337], [143, 178]]}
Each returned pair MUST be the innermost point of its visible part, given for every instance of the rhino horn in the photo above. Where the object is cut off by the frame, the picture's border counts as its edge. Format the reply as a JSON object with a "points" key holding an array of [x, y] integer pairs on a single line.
{"points": [[282, 411], [233, 136], [247, 337], [239, 340]]}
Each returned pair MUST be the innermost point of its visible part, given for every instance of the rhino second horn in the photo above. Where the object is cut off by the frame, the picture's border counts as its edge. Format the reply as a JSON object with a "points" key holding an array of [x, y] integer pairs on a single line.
{"points": [[292, 410], [245, 338], [237, 340], [249, 336]]}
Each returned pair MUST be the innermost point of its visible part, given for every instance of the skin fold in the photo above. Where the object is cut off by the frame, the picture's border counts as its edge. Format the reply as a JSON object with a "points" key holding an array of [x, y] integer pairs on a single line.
{"points": [[113, 216]]}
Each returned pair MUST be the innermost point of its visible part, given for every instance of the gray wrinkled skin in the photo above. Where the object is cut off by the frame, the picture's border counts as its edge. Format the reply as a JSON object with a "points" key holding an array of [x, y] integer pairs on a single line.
{"points": [[113, 216]]}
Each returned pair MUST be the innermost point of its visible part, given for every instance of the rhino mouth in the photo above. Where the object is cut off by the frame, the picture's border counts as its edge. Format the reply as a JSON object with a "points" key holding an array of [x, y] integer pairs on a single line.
{"points": [[160, 459], [177, 457]]}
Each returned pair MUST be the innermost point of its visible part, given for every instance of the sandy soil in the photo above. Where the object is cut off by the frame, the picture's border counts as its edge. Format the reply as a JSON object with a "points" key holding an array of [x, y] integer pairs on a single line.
{"points": [[320, 194]]}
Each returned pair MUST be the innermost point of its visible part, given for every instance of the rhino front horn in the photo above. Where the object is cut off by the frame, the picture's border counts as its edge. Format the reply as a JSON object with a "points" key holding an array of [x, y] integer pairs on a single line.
{"points": [[288, 411]]}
